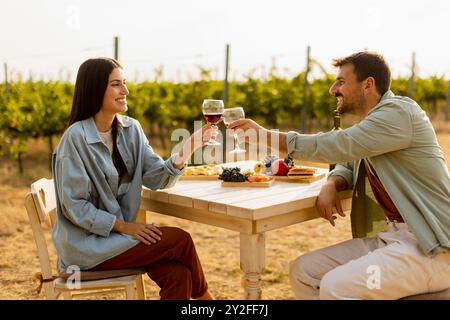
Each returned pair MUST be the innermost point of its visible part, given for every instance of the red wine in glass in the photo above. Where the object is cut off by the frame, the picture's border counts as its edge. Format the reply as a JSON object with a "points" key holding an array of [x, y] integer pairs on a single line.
{"points": [[212, 111], [213, 118]]}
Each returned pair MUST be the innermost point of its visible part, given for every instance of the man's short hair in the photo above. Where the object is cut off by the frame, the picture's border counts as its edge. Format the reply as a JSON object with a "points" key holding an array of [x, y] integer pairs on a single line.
{"points": [[369, 64]]}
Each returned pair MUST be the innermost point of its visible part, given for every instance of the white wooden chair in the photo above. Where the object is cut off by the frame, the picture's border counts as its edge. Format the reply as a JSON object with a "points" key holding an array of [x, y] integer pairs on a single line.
{"points": [[40, 204]]}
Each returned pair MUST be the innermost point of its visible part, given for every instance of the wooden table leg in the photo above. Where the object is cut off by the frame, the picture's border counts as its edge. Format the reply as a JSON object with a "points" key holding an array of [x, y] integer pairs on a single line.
{"points": [[252, 263]]}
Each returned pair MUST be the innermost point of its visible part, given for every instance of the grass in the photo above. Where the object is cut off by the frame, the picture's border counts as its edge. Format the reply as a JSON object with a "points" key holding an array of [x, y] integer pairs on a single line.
{"points": [[218, 248]]}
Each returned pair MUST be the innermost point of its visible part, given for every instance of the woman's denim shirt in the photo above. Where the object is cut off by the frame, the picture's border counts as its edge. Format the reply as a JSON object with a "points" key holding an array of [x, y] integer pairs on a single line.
{"points": [[90, 196]]}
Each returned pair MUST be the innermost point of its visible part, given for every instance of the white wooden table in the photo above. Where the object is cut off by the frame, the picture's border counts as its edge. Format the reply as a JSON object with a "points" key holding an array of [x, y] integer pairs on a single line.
{"points": [[249, 211]]}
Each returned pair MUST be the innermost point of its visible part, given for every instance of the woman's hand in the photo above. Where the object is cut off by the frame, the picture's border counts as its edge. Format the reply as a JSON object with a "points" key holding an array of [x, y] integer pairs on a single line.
{"points": [[146, 233], [198, 139], [204, 134], [327, 200]]}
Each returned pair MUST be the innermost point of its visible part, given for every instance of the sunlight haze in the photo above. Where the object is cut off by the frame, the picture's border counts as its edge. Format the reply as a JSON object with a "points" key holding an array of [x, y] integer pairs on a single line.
{"points": [[50, 39]]}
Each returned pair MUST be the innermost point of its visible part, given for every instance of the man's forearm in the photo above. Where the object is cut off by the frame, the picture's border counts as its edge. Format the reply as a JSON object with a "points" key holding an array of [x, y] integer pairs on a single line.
{"points": [[280, 138], [276, 139]]}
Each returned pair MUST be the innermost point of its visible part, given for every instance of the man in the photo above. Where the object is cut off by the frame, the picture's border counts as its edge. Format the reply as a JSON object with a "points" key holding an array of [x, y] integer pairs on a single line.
{"points": [[395, 147]]}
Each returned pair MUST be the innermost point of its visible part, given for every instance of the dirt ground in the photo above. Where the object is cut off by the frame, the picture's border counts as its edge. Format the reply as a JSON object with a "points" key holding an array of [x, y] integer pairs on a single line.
{"points": [[218, 248]]}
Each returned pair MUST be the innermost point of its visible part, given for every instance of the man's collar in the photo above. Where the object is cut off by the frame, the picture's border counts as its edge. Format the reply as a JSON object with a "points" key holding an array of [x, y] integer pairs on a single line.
{"points": [[387, 95]]}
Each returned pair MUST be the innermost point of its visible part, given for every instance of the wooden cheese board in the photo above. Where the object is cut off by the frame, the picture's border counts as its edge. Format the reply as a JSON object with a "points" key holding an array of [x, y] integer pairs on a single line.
{"points": [[199, 177], [300, 179], [264, 184]]}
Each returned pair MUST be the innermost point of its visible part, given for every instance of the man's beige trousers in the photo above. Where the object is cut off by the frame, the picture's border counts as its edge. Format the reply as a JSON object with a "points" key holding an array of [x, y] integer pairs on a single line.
{"points": [[390, 266]]}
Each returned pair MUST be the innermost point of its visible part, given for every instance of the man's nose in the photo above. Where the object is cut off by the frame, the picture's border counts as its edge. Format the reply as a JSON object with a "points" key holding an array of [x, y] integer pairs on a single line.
{"points": [[333, 89]]}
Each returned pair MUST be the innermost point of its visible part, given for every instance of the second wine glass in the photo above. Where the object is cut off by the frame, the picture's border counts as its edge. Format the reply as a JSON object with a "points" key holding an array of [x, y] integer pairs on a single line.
{"points": [[230, 115]]}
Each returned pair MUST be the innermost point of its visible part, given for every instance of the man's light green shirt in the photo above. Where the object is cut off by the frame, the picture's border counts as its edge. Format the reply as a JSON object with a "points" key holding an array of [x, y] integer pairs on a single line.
{"points": [[399, 141]]}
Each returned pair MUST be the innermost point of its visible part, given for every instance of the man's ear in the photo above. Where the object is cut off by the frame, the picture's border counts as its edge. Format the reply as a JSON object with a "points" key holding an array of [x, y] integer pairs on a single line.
{"points": [[369, 83]]}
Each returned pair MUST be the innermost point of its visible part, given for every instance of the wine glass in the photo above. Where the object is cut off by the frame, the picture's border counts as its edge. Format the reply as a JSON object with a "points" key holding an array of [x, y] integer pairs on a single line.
{"points": [[230, 115], [212, 111]]}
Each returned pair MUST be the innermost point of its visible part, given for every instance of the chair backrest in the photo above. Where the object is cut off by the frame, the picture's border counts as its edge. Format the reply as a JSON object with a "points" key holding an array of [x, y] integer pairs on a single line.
{"points": [[40, 204], [43, 192]]}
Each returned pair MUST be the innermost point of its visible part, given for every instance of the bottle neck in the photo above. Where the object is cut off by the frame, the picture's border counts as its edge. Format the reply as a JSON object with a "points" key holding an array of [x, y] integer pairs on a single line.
{"points": [[337, 121], [337, 126]]}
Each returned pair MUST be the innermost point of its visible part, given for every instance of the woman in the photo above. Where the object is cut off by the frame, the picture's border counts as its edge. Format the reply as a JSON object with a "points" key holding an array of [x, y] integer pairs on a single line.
{"points": [[99, 167]]}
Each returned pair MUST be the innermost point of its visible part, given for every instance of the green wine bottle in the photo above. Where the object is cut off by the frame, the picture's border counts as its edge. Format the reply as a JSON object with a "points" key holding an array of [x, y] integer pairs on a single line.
{"points": [[337, 126]]}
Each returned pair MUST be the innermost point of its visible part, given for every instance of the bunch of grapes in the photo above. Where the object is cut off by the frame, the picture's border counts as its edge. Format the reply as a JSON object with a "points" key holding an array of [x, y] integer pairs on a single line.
{"points": [[232, 175]]}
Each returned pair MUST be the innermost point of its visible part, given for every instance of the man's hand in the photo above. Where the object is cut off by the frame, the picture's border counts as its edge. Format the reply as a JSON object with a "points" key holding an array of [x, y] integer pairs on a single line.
{"points": [[243, 125], [328, 202], [249, 131], [146, 233]]}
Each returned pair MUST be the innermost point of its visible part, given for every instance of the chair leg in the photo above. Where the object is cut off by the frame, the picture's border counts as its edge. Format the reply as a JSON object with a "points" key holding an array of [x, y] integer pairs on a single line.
{"points": [[140, 289], [49, 290], [130, 292]]}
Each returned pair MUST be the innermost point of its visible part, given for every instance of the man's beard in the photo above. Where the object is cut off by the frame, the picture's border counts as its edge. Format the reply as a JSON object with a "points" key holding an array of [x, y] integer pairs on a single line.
{"points": [[351, 107]]}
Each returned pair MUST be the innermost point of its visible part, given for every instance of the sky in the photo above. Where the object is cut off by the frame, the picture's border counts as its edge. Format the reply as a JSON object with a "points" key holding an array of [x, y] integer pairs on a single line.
{"points": [[49, 39]]}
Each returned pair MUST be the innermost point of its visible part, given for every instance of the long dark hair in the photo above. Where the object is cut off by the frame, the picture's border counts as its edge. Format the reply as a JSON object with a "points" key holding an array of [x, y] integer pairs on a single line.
{"points": [[90, 88]]}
